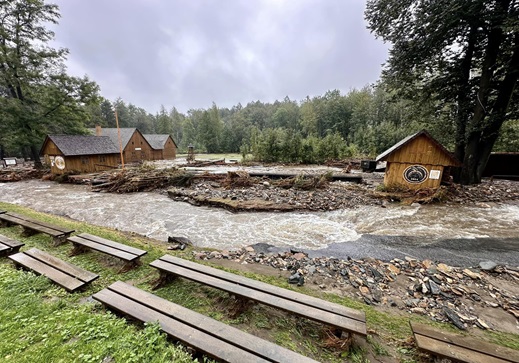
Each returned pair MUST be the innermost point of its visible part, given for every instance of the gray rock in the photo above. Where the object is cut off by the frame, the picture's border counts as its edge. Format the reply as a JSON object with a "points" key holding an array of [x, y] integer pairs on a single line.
{"points": [[487, 265], [435, 289]]}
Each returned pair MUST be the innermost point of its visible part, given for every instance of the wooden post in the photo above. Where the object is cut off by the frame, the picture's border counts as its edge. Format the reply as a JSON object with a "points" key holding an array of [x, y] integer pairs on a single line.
{"points": [[119, 137]]}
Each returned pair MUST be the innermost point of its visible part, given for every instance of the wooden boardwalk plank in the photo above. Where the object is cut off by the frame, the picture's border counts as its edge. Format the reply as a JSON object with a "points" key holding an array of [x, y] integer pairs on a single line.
{"points": [[231, 335], [271, 289], [112, 244], [69, 269], [191, 336], [103, 248], [67, 282], [462, 348], [325, 317]]}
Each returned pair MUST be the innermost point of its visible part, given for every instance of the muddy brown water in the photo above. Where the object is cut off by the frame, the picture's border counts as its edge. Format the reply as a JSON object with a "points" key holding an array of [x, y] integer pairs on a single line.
{"points": [[463, 234]]}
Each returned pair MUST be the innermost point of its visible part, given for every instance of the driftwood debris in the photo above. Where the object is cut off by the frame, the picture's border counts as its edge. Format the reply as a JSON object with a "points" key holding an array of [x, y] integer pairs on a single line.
{"points": [[129, 181]]}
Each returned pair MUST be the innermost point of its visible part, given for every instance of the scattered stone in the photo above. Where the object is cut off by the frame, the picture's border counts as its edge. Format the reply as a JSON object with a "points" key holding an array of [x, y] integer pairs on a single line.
{"points": [[454, 318], [487, 265]]}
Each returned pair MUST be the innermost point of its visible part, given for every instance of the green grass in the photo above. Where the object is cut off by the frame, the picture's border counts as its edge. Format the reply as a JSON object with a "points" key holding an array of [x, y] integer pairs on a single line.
{"points": [[42, 322]]}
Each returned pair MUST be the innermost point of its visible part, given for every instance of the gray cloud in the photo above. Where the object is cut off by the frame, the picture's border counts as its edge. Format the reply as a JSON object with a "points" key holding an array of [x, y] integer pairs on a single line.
{"points": [[188, 54]]}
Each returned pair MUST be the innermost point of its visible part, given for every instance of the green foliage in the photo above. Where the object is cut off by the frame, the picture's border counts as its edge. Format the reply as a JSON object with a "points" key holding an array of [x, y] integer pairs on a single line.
{"points": [[460, 58]]}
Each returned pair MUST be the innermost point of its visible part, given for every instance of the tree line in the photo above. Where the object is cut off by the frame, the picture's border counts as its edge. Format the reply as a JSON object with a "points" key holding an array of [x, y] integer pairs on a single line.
{"points": [[452, 70]]}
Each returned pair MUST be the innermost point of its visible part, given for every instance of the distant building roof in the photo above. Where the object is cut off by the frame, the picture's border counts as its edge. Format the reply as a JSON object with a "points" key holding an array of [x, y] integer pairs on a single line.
{"points": [[72, 145], [409, 138], [112, 133], [156, 141]]}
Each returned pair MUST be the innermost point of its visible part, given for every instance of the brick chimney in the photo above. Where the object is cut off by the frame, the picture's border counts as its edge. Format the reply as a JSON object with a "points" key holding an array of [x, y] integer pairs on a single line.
{"points": [[98, 130]]}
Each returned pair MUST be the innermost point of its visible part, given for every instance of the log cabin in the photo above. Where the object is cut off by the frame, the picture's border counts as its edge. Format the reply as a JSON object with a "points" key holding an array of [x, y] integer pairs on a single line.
{"points": [[79, 153], [164, 147], [417, 162]]}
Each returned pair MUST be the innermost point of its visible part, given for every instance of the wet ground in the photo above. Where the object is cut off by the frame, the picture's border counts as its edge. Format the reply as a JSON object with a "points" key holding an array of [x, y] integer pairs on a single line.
{"points": [[457, 235]]}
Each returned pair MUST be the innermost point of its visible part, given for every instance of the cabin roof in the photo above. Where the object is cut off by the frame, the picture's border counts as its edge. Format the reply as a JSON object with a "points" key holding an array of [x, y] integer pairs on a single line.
{"points": [[157, 141], [112, 133], [75, 145], [410, 138]]}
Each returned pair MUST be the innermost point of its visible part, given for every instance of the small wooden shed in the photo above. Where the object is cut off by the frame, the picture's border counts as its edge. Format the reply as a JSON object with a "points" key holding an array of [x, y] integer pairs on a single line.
{"points": [[416, 162], [78, 153], [134, 145], [163, 145]]}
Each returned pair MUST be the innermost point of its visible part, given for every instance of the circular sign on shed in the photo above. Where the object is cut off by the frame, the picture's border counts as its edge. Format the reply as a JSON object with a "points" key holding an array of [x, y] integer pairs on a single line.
{"points": [[415, 174], [59, 162]]}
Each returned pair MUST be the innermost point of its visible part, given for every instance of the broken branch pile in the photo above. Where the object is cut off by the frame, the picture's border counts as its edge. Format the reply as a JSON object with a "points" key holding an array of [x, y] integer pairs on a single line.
{"points": [[129, 181]]}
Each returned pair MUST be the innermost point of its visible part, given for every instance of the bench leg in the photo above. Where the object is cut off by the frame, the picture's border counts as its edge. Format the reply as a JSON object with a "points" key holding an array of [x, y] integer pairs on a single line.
{"points": [[239, 306], [78, 249], [27, 232], [129, 265], [164, 279], [59, 240], [5, 224]]}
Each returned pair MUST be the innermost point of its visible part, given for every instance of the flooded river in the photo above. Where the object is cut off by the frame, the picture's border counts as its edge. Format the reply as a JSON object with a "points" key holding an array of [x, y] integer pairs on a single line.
{"points": [[394, 231]]}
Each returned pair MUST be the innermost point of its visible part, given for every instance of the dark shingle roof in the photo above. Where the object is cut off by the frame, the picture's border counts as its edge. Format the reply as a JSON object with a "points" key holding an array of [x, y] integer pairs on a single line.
{"points": [[156, 141], [126, 134], [71, 145]]}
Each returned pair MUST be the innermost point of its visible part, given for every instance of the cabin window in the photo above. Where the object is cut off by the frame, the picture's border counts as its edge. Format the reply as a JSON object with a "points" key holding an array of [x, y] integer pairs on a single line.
{"points": [[84, 160], [102, 158]]}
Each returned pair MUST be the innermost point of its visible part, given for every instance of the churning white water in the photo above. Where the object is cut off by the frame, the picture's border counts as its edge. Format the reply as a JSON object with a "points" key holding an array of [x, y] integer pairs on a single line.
{"points": [[157, 216]]}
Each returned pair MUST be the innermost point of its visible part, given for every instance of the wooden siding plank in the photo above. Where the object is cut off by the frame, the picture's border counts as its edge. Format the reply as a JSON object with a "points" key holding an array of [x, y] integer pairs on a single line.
{"points": [[325, 317], [271, 289]]}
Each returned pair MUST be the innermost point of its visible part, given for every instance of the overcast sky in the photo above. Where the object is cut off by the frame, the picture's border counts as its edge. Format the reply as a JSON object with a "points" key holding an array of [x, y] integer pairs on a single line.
{"points": [[189, 53]]}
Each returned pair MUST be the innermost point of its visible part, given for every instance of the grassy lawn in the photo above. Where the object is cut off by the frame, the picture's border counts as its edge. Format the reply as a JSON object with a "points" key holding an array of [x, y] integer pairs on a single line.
{"points": [[43, 323]]}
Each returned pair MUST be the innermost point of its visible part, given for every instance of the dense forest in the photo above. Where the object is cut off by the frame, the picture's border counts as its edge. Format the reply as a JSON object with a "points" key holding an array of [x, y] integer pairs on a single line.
{"points": [[38, 97]]}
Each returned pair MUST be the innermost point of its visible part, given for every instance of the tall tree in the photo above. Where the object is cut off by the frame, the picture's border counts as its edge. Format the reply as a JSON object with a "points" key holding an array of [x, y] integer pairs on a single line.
{"points": [[464, 54], [36, 95]]}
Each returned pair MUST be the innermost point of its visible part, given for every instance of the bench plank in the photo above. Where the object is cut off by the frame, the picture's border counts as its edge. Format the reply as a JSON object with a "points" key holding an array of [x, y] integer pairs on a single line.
{"points": [[202, 342], [325, 317], [64, 230], [36, 227], [231, 335], [271, 289], [69, 283], [9, 245], [112, 244], [69, 269], [461, 348], [103, 248]]}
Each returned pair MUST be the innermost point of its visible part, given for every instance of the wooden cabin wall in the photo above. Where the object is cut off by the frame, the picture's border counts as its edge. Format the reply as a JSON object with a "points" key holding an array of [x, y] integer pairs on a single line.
{"points": [[137, 141], [420, 151], [395, 176], [157, 155], [170, 150], [87, 163]]}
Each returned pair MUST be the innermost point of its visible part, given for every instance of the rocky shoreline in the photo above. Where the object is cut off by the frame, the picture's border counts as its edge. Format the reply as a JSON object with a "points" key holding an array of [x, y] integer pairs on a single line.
{"points": [[486, 297]]}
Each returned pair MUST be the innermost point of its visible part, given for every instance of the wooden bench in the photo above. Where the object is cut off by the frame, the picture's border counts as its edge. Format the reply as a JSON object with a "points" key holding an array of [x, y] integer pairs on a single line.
{"points": [[460, 348], [32, 226], [340, 317], [206, 335], [9, 246], [85, 241], [66, 275]]}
